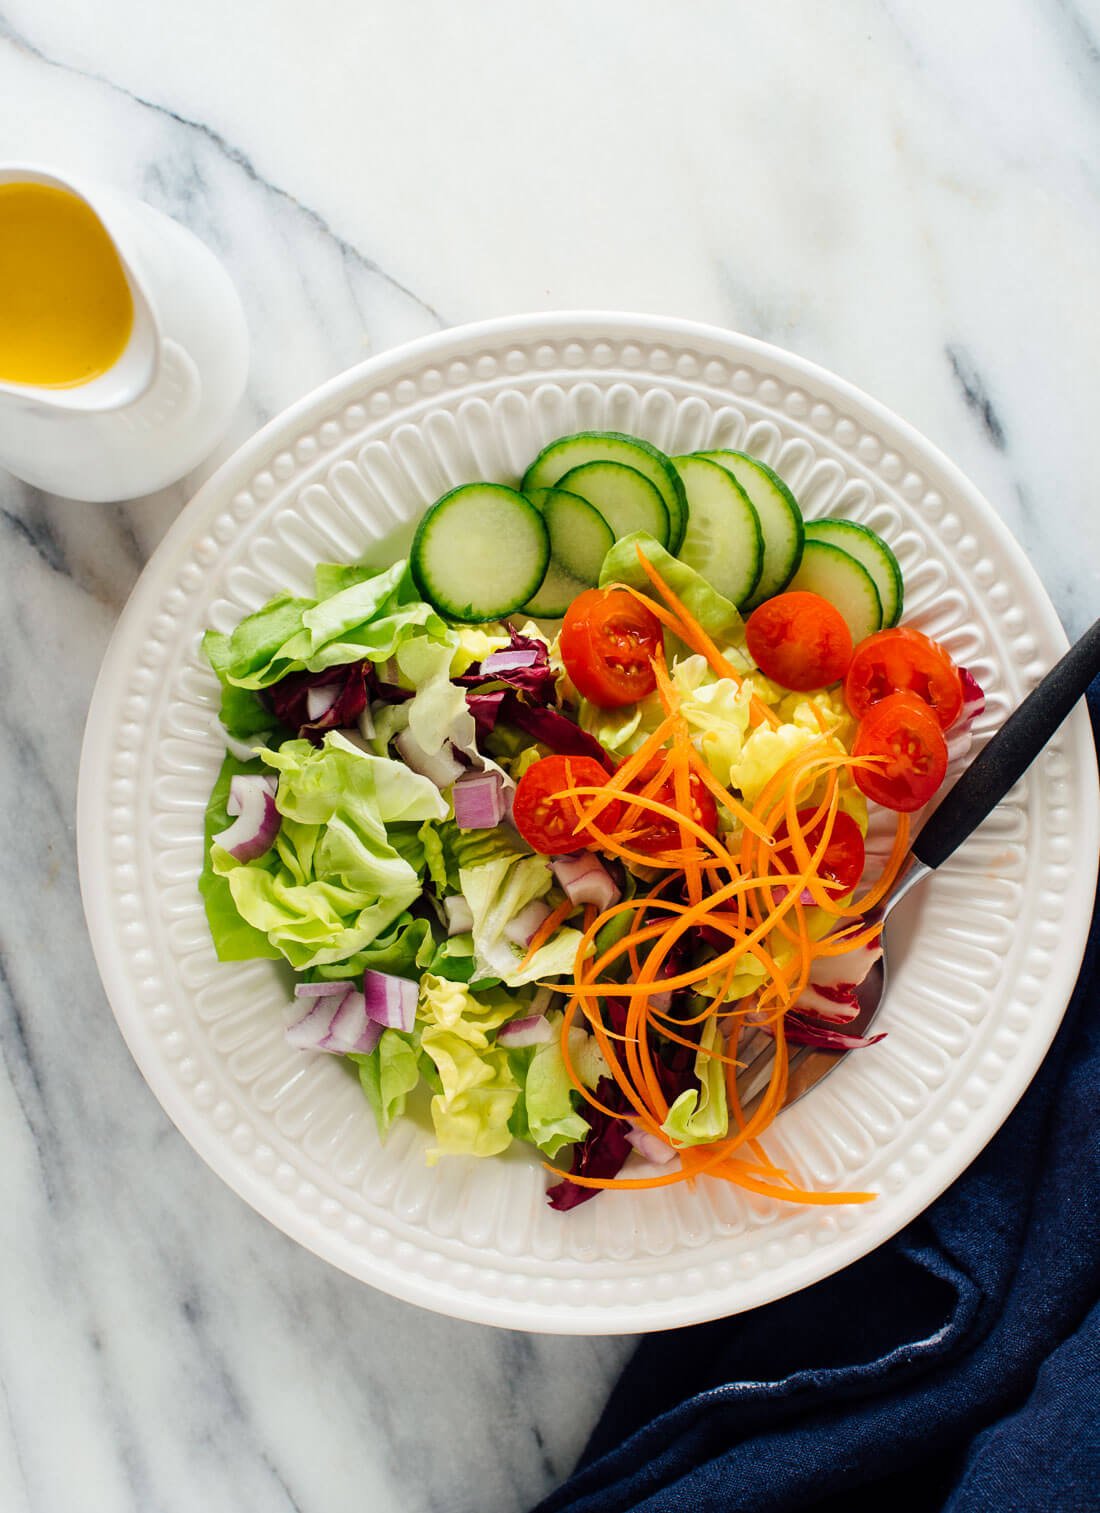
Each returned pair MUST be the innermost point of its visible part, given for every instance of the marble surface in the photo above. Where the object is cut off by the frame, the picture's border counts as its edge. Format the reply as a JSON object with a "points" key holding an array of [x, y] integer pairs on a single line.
{"points": [[906, 192]]}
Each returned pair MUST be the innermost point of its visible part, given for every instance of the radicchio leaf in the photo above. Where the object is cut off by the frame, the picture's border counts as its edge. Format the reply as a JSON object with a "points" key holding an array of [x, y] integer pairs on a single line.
{"points": [[803, 1030], [602, 1151], [288, 699], [528, 673]]}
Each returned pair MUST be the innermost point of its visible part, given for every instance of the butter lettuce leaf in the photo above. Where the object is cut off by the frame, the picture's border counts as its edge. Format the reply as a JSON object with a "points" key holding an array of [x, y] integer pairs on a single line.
{"points": [[234, 938], [700, 1115], [716, 614], [357, 614], [496, 891], [389, 1074], [546, 1114], [477, 1086], [334, 881]]}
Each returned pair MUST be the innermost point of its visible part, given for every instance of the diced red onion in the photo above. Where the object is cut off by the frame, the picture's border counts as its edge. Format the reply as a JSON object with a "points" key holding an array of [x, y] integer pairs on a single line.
{"points": [[254, 830], [586, 880], [508, 661], [534, 1030], [244, 751], [321, 699], [243, 782], [651, 1146], [521, 929], [390, 1000], [441, 768], [322, 989], [460, 916], [478, 800], [336, 1023]]}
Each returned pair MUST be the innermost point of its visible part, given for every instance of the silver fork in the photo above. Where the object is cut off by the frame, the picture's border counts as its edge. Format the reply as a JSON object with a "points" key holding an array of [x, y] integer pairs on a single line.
{"points": [[1002, 762]]}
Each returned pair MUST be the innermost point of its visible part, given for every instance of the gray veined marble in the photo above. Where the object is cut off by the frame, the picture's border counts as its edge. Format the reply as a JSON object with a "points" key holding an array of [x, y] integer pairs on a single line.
{"points": [[907, 192]]}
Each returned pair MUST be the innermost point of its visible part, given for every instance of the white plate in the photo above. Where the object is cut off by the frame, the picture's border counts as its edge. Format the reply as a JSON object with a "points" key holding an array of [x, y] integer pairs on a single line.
{"points": [[979, 988]]}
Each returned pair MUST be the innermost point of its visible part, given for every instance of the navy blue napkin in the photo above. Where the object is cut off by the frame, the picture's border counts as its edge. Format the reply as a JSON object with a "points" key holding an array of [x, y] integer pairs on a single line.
{"points": [[957, 1367]]}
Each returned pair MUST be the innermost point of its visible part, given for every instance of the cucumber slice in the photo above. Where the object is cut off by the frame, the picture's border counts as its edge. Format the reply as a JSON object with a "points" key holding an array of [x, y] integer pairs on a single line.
{"points": [[836, 575], [580, 539], [780, 520], [480, 552], [555, 460], [723, 539], [624, 497], [862, 543]]}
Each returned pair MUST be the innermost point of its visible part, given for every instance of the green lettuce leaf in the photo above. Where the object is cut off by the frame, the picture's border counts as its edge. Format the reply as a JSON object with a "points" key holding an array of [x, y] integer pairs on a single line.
{"points": [[437, 711], [389, 1074], [359, 614], [406, 949], [478, 1089], [546, 1114], [234, 938], [718, 617], [333, 881], [701, 1115], [496, 891]]}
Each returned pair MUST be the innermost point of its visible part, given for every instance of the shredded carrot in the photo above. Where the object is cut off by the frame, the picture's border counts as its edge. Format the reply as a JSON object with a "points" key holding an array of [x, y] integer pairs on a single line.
{"points": [[553, 921], [754, 900], [699, 641]]}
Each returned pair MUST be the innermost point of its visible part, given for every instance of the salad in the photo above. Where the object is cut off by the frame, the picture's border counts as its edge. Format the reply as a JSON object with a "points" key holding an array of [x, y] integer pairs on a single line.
{"points": [[546, 818]]}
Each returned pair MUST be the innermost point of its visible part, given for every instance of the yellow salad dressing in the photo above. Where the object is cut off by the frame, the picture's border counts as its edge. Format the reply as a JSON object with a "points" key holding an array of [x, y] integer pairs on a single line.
{"points": [[65, 307]]}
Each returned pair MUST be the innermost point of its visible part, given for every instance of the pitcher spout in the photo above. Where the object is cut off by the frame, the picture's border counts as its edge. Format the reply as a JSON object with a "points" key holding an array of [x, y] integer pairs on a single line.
{"points": [[133, 367]]}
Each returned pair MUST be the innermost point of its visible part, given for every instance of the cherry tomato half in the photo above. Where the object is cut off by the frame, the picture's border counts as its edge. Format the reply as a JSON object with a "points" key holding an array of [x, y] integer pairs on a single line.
{"points": [[903, 660], [842, 864], [654, 833], [799, 640], [608, 641], [902, 729], [547, 823]]}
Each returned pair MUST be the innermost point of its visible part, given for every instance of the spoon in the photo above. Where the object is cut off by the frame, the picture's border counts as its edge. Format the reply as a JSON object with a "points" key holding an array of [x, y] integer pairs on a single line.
{"points": [[979, 790]]}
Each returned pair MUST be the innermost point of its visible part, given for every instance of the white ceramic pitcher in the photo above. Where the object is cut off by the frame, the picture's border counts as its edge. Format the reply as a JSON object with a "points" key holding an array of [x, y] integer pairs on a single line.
{"points": [[168, 399]]}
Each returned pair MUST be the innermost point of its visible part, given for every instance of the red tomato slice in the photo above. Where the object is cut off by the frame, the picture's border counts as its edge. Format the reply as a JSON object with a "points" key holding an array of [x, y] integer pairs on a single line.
{"points": [[903, 730], [654, 833], [608, 641], [903, 660], [799, 640], [547, 823], [844, 857]]}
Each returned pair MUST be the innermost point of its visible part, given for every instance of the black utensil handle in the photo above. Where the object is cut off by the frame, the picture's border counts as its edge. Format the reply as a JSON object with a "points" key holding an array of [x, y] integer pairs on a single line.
{"points": [[1011, 751]]}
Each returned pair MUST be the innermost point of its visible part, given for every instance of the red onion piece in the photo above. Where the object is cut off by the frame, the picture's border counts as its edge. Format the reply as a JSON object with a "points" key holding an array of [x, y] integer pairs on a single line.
{"points": [[323, 989], [390, 1000], [586, 880], [508, 661], [522, 927], [441, 768], [460, 917], [479, 801], [543, 1000], [651, 1146], [252, 833], [337, 1024], [244, 751], [320, 700], [534, 1030]]}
